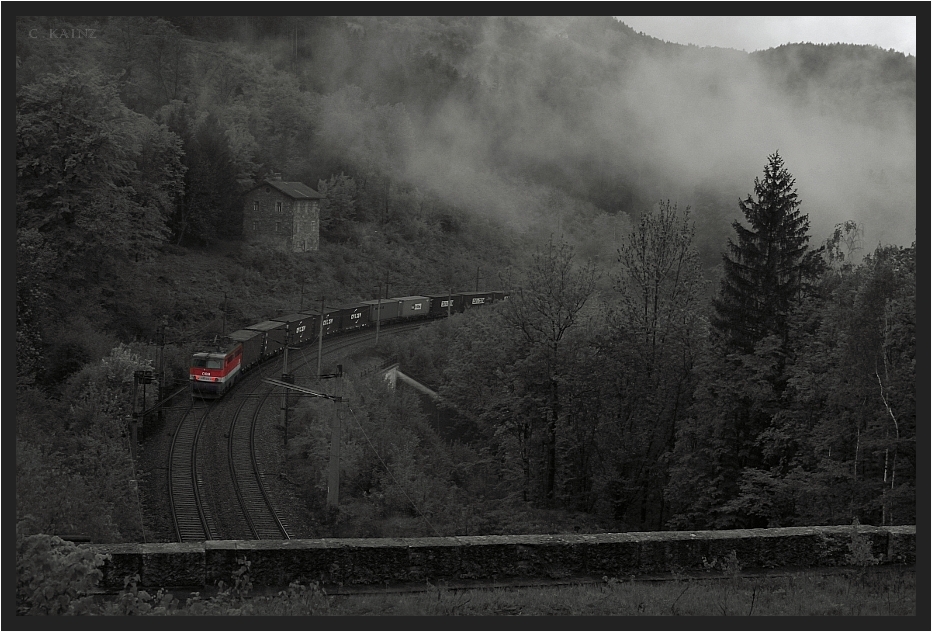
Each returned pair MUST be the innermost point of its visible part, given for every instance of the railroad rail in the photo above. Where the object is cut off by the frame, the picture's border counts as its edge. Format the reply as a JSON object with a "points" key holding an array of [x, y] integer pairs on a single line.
{"points": [[264, 523], [188, 513]]}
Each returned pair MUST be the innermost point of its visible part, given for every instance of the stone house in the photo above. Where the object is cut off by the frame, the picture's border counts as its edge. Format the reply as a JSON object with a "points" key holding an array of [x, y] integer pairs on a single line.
{"points": [[283, 212]]}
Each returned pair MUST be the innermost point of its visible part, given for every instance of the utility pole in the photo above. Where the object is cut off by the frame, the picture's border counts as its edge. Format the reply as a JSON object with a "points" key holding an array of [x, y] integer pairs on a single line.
{"points": [[286, 377], [161, 366], [134, 418], [333, 479], [224, 334], [333, 472], [449, 301], [378, 315], [139, 377], [301, 306], [477, 278], [320, 337]]}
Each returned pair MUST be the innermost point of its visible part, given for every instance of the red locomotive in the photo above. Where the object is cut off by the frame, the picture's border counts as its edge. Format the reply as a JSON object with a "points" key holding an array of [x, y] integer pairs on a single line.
{"points": [[212, 373]]}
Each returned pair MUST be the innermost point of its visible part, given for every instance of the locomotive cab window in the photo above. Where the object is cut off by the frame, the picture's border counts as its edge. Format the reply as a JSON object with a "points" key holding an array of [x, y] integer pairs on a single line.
{"points": [[203, 361]]}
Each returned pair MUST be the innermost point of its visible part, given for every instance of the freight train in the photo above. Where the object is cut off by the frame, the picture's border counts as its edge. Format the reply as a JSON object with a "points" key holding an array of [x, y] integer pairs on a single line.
{"points": [[213, 373]]}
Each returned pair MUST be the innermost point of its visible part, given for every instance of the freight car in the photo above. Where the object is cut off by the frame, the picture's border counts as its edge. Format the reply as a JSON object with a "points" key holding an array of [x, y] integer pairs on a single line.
{"points": [[300, 328], [353, 317], [477, 299], [442, 305], [213, 373]]}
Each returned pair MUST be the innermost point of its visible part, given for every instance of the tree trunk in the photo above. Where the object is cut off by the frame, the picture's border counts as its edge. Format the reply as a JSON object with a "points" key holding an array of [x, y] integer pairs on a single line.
{"points": [[552, 443]]}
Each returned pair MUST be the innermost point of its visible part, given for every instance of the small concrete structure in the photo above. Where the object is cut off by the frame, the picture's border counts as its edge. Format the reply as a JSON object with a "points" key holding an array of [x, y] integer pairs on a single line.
{"points": [[392, 374], [506, 558]]}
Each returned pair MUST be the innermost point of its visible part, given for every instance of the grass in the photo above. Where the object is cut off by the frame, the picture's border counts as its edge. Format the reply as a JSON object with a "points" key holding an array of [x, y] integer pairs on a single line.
{"points": [[886, 591]]}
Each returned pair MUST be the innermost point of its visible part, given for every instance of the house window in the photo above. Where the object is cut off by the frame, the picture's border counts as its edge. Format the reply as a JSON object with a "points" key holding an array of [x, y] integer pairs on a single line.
{"points": [[255, 226], [255, 205], [278, 206], [278, 227]]}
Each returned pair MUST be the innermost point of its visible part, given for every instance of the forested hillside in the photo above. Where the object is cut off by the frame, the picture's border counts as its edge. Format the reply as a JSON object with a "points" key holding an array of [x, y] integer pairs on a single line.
{"points": [[713, 253]]}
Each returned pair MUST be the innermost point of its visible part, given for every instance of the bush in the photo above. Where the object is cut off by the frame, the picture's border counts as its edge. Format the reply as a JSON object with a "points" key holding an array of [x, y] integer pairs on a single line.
{"points": [[860, 550], [54, 577]]}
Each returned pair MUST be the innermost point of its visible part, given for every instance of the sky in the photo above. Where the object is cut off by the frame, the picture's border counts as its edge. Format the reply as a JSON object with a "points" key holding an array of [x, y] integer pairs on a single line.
{"points": [[751, 33]]}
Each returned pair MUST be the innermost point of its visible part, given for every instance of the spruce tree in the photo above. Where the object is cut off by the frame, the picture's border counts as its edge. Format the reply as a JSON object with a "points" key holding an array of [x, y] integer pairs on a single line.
{"points": [[766, 269]]}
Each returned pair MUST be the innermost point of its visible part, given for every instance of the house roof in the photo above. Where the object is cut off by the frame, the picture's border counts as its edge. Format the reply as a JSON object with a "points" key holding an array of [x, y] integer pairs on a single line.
{"points": [[296, 190]]}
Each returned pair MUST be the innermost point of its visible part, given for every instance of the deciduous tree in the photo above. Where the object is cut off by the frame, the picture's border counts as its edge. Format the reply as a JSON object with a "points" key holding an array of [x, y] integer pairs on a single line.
{"points": [[653, 336], [542, 311], [93, 177], [339, 209]]}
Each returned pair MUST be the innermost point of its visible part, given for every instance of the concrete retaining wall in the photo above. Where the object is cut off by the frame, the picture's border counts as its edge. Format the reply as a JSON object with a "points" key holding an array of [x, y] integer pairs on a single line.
{"points": [[358, 562]]}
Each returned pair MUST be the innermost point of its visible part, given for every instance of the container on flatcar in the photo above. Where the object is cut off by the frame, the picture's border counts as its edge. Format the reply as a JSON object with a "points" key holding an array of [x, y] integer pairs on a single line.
{"points": [[413, 306], [331, 321], [252, 345], [354, 317], [440, 302], [476, 299], [386, 310], [302, 328], [274, 340], [213, 372]]}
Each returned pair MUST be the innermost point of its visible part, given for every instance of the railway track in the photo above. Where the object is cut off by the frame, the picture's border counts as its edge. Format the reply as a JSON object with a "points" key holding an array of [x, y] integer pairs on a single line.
{"points": [[191, 503], [188, 512], [264, 523]]}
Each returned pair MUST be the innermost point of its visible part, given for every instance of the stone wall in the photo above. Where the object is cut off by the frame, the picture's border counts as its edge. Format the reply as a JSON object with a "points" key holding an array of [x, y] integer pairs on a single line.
{"points": [[360, 562]]}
